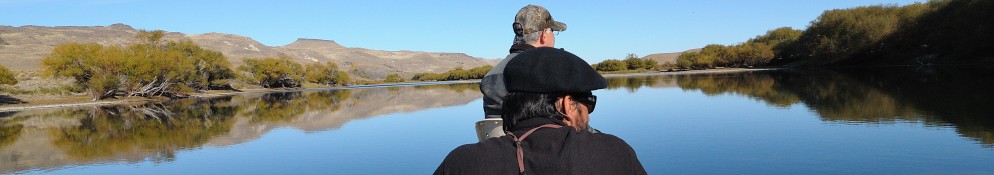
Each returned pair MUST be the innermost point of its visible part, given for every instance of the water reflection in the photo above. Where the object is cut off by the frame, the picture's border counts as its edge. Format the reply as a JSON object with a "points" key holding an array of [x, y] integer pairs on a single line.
{"points": [[942, 97], [9, 133], [958, 98], [633, 83], [155, 129], [155, 132]]}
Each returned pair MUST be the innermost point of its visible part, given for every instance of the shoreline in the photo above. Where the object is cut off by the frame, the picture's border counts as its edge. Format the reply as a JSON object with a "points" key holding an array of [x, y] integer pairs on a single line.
{"points": [[209, 94]]}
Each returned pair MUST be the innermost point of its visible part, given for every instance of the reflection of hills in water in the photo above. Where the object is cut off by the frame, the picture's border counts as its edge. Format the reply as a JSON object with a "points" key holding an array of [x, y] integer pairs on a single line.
{"points": [[958, 97], [52, 139]]}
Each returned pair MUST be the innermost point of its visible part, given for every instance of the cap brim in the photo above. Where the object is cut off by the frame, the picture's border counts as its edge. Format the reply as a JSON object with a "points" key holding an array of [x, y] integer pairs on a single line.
{"points": [[558, 26]]}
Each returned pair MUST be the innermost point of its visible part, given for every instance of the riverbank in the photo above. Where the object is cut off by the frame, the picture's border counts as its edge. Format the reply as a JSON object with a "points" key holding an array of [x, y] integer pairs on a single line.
{"points": [[84, 100]]}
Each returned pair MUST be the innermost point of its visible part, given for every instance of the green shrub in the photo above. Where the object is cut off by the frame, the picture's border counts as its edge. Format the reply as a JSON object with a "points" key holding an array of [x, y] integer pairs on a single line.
{"points": [[7, 77], [274, 72], [150, 67]]}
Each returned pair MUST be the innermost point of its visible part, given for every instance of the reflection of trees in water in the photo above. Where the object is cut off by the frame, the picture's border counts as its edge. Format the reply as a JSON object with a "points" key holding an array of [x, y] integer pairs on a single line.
{"points": [[284, 107], [157, 128], [753, 84], [960, 96], [156, 131], [9, 133], [957, 97], [632, 84], [327, 100], [459, 87], [278, 107]]}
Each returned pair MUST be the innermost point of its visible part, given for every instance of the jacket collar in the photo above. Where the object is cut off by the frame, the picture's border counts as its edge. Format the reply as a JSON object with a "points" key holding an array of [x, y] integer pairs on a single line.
{"points": [[527, 124], [518, 48]]}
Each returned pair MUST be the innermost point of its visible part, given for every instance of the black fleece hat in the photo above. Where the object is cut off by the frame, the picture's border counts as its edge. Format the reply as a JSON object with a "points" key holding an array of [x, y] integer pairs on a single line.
{"points": [[547, 70]]}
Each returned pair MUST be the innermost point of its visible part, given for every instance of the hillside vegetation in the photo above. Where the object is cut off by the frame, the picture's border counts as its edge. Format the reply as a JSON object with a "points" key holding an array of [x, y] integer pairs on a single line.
{"points": [[935, 32], [156, 67], [150, 67]]}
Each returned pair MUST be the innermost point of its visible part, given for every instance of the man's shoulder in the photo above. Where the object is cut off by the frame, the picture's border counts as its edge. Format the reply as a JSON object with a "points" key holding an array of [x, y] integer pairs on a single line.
{"points": [[600, 140], [499, 68], [608, 154], [485, 157], [486, 147]]}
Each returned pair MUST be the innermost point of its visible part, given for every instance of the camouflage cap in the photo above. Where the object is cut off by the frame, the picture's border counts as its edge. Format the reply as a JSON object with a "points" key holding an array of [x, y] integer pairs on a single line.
{"points": [[533, 18]]}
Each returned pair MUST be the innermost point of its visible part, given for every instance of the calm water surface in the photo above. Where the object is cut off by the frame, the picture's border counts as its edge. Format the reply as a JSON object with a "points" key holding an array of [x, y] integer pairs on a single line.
{"points": [[890, 121]]}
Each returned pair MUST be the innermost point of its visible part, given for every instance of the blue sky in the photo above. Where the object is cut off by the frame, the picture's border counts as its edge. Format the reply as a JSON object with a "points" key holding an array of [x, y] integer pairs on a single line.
{"points": [[597, 30]]}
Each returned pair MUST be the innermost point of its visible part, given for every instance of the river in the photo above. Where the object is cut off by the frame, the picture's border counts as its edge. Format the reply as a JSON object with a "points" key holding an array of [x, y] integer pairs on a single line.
{"points": [[893, 120]]}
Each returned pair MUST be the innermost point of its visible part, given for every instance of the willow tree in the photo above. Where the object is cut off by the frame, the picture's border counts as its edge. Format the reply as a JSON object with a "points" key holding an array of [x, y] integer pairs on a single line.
{"points": [[150, 67], [610, 65], [327, 73], [274, 72]]}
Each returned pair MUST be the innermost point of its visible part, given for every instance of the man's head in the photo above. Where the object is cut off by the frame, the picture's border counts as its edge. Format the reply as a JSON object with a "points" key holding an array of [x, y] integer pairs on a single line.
{"points": [[550, 83], [534, 25]]}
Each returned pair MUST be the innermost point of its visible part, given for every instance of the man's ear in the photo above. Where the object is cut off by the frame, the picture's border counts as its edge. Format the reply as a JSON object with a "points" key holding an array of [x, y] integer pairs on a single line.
{"points": [[561, 108], [569, 104], [542, 38]]}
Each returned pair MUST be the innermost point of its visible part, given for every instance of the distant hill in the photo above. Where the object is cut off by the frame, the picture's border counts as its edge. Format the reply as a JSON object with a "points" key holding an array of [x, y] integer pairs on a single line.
{"points": [[662, 58], [24, 47]]}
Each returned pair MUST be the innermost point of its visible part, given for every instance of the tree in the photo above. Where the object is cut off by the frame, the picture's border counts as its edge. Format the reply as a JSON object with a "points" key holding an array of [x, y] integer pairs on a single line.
{"points": [[632, 62], [319, 73], [210, 67], [393, 78], [430, 76], [687, 60], [274, 72], [150, 67], [777, 36], [6, 77], [611, 65], [649, 64], [327, 73], [479, 72], [73, 60]]}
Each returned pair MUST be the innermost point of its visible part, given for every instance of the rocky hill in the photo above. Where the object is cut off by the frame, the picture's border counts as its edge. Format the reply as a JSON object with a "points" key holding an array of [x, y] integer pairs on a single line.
{"points": [[23, 48], [662, 58]]}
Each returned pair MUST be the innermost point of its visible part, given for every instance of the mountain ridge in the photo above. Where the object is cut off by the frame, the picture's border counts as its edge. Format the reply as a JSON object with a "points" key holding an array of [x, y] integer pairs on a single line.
{"points": [[670, 57], [24, 47]]}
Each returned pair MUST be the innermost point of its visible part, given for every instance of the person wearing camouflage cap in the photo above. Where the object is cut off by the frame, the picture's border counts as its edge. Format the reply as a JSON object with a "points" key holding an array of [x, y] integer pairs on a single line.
{"points": [[545, 114], [533, 27]]}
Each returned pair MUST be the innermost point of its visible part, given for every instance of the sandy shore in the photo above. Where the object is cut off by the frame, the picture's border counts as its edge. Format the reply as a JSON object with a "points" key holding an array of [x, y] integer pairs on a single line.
{"points": [[78, 101]]}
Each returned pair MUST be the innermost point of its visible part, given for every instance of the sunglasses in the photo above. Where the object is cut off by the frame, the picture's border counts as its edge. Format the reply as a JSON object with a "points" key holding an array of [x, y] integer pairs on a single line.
{"points": [[587, 100]]}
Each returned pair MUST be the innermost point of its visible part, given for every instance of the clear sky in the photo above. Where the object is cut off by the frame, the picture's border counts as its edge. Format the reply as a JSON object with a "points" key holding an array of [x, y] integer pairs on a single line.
{"points": [[597, 30]]}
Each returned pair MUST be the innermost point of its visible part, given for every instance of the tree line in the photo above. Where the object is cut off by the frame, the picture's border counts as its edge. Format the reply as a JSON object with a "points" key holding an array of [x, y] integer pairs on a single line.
{"points": [[150, 67], [455, 74], [934, 32], [156, 67], [755, 52], [631, 62], [285, 73]]}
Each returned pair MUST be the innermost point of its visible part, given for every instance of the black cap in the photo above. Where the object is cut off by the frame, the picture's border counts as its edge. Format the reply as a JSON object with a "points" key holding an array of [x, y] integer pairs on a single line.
{"points": [[547, 70]]}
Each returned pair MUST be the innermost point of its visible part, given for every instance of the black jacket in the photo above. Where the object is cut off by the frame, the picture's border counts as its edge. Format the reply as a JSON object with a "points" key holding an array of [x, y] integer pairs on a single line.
{"points": [[547, 151]]}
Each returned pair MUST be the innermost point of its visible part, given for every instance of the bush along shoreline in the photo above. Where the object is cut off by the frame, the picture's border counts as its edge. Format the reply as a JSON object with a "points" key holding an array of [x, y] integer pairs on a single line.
{"points": [[956, 32], [154, 67]]}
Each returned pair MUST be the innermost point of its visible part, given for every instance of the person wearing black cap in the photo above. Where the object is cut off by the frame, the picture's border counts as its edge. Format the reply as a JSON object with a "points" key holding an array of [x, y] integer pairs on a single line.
{"points": [[546, 113]]}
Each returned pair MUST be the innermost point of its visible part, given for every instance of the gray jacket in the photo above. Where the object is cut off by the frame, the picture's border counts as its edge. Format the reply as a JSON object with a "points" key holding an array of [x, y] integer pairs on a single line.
{"points": [[493, 89]]}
